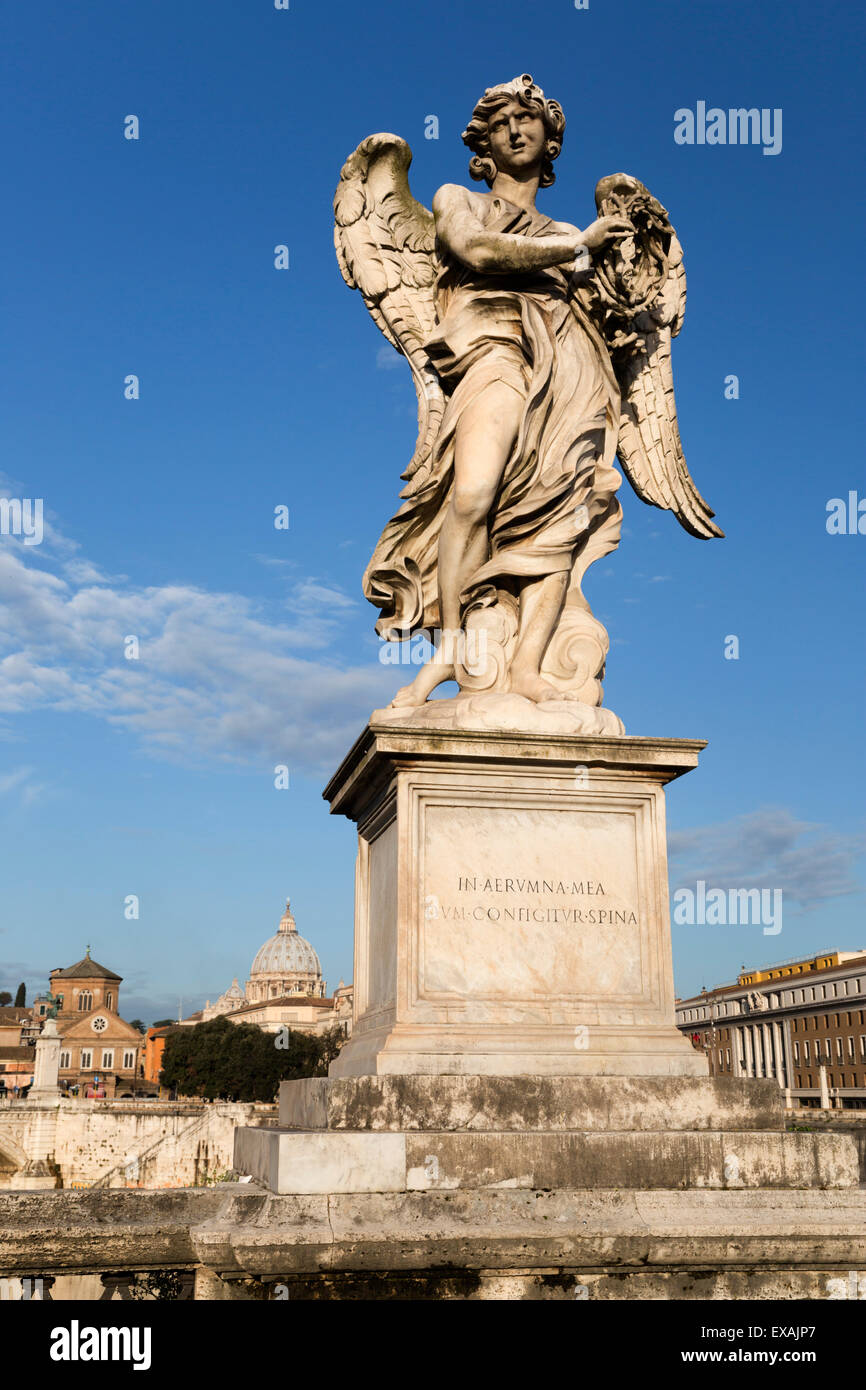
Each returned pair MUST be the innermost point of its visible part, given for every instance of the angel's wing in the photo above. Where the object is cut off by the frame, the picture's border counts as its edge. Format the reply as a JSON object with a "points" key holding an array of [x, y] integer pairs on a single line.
{"points": [[646, 300], [385, 247]]}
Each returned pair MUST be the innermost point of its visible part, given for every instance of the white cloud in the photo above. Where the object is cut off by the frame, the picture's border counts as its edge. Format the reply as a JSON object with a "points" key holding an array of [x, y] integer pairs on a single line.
{"points": [[388, 357], [219, 676], [769, 848]]}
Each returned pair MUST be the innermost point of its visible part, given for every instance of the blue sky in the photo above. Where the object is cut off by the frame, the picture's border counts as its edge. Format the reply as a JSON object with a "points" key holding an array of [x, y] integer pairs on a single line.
{"points": [[262, 387]]}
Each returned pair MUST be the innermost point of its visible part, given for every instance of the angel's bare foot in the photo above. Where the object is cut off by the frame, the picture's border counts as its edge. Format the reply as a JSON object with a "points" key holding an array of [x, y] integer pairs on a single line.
{"points": [[530, 685], [426, 681]]}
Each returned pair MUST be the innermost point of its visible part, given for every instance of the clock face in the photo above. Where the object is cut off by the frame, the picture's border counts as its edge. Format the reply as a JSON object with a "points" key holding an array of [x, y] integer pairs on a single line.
{"points": [[99, 1024]]}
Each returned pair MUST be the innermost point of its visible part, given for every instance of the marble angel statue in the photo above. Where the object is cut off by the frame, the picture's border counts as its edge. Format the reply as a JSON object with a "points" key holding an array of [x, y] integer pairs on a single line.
{"points": [[540, 353]]}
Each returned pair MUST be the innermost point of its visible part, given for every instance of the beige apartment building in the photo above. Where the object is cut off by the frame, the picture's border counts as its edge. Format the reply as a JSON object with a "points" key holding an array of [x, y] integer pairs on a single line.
{"points": [[801, 1021]]}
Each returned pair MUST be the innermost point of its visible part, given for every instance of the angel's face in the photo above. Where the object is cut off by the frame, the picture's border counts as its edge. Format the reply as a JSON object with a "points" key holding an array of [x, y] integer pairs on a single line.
{"points": [[517, 138]]}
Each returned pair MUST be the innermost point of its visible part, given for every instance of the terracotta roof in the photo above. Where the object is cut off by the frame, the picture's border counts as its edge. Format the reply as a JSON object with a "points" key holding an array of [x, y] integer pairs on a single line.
{"points": [[86, 969], [9, 1014], [17, 1054]]}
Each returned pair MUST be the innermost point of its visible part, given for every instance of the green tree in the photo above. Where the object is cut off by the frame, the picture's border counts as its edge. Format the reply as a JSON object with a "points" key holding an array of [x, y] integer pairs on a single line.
{"points": [[219, 1060], [21, 996], [5, 998], [137, 1023]]}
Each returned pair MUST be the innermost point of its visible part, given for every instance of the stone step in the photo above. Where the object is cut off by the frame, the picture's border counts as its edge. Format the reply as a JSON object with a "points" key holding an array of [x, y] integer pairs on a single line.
{"points": [[498, 1103], [316, 1161], [622, 1245]]}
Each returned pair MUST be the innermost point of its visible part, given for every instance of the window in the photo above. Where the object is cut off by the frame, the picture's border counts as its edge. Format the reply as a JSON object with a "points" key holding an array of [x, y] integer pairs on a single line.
{"points": [[830, 1080], [835, 1020], [86, 1059], [107, 1059], [796, 1025], [728, 1050], [863, 1047], [806, 1050], [797, 1053], [108, 1000], [85, 1001], [839, 1049], [850, 1049], [128, 1061], [66, 1060]]}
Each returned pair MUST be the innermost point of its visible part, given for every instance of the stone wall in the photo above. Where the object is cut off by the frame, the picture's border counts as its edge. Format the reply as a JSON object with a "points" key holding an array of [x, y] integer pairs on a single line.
{"points": [[851, 1122], [126, 1143]]}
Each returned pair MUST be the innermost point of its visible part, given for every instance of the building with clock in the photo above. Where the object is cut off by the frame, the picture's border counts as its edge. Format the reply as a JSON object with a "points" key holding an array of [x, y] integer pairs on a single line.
{"points": [[101, 1055]]}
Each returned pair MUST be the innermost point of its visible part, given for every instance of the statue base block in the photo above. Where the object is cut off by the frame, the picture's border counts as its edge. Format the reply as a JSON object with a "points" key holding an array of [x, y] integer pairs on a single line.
{"points": [[511, 912], [444, 1133]]}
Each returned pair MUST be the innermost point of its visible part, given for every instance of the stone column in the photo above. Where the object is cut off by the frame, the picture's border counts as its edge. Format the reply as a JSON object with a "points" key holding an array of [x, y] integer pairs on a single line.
{"points": [[47, 1067], [44, 1097], [749, 1051], [781, 1059], [769, 1055], [825, 1091]]}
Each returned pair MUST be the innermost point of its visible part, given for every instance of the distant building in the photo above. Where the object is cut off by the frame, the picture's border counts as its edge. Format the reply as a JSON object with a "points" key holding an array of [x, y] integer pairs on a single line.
{"points": [[101, 1054], [15, 1025], [285, 988], [17, 1053], [154, 1048], [802, 1021]]}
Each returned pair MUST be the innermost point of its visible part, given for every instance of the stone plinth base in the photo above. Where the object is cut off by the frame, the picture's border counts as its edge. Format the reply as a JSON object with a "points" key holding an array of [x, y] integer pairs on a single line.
{"points": [[331, 1161], [418, 1133], [531, 1103], [511, 913]]}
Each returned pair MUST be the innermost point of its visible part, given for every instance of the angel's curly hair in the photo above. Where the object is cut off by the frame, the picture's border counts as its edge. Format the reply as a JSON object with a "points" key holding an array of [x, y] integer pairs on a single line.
{"points": [[524, 90]]}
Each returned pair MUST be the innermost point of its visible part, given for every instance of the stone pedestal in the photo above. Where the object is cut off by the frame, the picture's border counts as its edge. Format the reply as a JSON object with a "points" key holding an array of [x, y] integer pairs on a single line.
{"points": [[515, 1105], [46, 1068], [570, 1133], [511, 912]]}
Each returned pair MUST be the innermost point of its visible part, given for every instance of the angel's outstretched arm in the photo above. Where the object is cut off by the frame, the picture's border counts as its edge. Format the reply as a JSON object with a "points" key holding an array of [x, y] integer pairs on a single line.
{"points": [[462, 232]]}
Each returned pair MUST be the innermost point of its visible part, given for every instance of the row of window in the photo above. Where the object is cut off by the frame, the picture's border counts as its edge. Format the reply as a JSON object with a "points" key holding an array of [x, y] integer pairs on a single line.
{"points": [[796, 968], [852, 1017], [829, 1051], [804, 1079], [86, 1060], [85, 1001], [837, 989]]}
